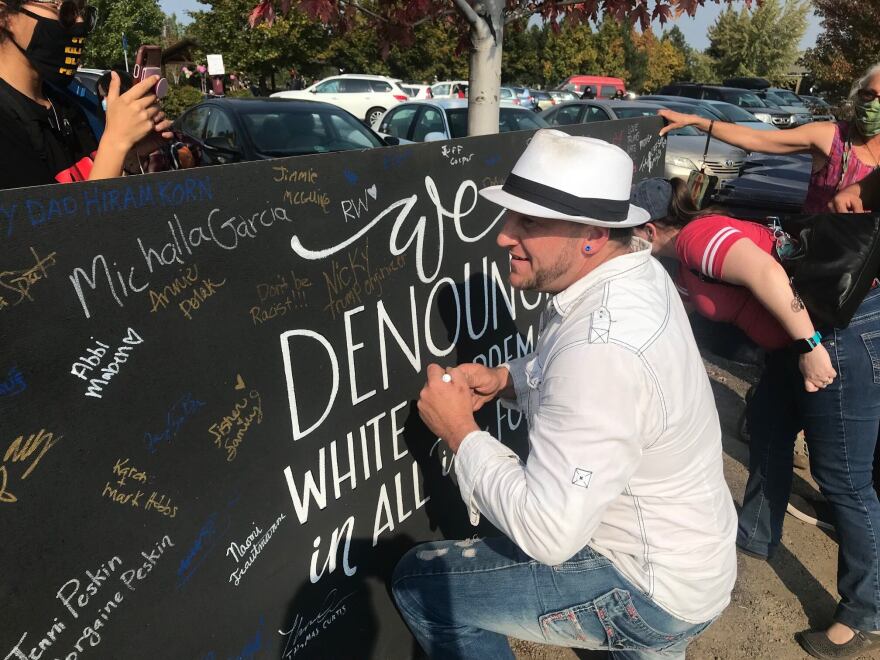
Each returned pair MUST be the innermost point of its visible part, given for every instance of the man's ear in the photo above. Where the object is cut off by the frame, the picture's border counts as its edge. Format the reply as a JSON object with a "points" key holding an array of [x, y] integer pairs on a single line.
{"points": [[593, 239]]}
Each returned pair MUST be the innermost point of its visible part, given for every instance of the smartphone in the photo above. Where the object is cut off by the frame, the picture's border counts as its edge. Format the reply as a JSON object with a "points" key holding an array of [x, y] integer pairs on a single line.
{"points": [[148, 62]]}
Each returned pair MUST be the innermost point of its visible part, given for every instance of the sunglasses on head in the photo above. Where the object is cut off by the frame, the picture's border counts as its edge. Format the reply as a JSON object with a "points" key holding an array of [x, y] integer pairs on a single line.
{"points": [[866, 95], [70, 10]]}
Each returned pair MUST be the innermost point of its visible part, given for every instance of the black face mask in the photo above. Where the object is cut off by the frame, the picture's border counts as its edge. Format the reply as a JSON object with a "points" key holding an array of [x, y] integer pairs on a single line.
{"points": [[54, 52]]}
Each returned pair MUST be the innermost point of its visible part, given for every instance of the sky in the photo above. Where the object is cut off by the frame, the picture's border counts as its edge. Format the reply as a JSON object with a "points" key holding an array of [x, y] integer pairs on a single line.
{"points": [[694, 29]]}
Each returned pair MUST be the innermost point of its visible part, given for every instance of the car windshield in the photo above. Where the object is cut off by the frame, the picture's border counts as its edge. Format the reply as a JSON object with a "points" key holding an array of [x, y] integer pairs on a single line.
{"points": [[511, 119], [280, 131], [734, 113], [790, 98], [746, 100]]}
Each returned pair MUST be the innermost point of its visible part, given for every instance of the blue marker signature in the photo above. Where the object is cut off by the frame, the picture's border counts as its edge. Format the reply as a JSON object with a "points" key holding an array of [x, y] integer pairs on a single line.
{"points": [[180, 412], [14, 383]]}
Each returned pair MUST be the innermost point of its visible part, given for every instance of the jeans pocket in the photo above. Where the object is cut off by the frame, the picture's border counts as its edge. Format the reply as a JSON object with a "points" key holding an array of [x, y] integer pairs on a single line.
{"points": [[872, 345], [586, 560], [610, 620]]}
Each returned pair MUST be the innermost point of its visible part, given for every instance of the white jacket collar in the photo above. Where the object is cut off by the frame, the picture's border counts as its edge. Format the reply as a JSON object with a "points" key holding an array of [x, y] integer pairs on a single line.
{"points": [[565, 300]]}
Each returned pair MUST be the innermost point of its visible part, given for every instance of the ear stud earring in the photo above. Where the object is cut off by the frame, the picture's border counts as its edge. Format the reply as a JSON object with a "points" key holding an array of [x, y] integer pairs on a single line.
{"points": [[587, 248]]}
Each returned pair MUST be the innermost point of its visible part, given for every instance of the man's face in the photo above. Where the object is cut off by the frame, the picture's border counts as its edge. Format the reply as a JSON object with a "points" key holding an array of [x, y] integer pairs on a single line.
{"points": [[544, 254]]}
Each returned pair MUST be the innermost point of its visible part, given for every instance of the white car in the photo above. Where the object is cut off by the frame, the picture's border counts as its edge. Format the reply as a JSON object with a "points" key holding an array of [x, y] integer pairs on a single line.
{"points": [[443, 90], [364, 96], [442, 119], [417, 91]]}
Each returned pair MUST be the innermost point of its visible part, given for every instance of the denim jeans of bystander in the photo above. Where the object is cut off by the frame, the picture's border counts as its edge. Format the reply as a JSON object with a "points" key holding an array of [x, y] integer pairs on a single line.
{"points": [[841, 424]]}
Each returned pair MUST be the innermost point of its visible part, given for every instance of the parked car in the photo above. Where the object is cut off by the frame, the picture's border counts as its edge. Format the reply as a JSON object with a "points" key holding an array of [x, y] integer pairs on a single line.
{"points": [[543, 99], [417, 91], [525, 96], [821, 109], [562, 95], [684, 146], [603, 86], [443, 90], [506, 96], [226, 130], [441, 119], [787, 100], [777, 97], [769, 184], [367, 97], [734, 95], [679, 104], [723, 110]]}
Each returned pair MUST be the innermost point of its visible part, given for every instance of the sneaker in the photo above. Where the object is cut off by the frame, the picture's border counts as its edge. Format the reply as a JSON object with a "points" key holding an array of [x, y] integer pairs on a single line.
{"points": [[801, 452], [810, 511]]}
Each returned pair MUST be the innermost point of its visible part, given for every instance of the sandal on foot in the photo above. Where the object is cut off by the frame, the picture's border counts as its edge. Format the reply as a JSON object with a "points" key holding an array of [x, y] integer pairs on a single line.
{"points": [[817, 644]]}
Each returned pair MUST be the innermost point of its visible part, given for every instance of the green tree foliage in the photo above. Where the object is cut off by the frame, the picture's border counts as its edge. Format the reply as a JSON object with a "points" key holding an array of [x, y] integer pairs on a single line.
{"points": [[848, 44], [759, 42], [698, 67], [290, 41], [172, 30], [521, 59], [140, 20], [179, 98], [664, 63], [434, 55], [357, 50], [635, 59], [610, 51], [570, 51]]}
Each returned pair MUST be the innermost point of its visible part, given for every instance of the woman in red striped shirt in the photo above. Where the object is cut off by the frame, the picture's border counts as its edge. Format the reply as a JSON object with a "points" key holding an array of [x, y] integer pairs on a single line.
{"points": [[728, 272]]}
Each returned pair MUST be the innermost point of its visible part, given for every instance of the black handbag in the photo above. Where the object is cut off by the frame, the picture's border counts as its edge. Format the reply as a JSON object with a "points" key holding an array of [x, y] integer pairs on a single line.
{"points": [[831, 260]]}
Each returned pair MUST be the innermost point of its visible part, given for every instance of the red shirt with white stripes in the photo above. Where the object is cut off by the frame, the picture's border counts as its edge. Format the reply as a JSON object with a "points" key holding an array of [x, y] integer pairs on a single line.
{"points": [[702, 245]]}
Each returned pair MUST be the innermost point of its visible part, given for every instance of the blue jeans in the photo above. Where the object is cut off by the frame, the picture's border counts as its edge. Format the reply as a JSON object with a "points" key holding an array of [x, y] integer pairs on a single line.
{"points": [[462, 599], [841, 424]]}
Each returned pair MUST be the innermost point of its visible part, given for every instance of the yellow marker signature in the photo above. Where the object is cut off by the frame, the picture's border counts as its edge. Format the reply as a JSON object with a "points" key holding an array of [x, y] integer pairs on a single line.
{"points": [[19, 282]]}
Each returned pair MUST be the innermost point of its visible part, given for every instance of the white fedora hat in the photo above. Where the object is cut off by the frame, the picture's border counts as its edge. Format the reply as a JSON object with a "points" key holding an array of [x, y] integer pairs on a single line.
{"points": [[566, 177]]}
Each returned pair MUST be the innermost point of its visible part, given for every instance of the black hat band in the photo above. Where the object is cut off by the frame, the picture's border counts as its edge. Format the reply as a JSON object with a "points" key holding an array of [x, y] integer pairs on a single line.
{"points": [[608, 210]]}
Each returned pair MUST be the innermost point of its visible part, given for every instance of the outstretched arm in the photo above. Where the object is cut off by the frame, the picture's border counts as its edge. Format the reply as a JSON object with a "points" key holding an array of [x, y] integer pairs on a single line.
{"points": [[814, 138]]}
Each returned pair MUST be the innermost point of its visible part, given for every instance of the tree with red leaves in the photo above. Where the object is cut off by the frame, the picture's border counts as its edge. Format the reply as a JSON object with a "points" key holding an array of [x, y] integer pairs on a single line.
{"points": [[484, 22]]}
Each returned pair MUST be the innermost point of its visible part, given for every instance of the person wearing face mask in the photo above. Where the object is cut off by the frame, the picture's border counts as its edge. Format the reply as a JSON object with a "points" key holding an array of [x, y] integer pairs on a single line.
{"points": [[46, 137], [822, 384], [843, 152]]}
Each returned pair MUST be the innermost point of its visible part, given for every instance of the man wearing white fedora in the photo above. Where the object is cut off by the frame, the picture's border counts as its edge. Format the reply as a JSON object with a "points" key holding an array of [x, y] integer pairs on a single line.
{"points": [[619, 527]]}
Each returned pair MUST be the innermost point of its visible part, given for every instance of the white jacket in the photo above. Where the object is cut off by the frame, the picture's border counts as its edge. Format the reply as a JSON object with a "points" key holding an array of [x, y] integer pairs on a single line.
{"points": [[625, 444]]}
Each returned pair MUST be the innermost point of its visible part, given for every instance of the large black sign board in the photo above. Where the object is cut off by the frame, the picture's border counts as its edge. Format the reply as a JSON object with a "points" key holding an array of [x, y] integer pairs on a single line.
{"points": [[208, 443]]}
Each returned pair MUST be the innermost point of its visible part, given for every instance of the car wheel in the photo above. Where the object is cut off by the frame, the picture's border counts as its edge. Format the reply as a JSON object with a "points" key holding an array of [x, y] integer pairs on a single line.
{"points": [[373, 114]]}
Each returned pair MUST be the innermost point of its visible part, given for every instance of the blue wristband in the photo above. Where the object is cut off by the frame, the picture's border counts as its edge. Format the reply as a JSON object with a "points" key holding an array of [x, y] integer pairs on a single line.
{"points": [[803, 346]]}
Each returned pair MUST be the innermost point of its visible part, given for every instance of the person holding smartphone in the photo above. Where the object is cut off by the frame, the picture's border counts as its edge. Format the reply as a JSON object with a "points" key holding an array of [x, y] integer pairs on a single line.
{"points": [[46, 137]]}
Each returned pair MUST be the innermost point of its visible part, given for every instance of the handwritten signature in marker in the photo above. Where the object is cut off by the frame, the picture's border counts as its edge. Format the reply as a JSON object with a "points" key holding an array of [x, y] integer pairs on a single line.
{"points": [[20, 282], [299, 633]]}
